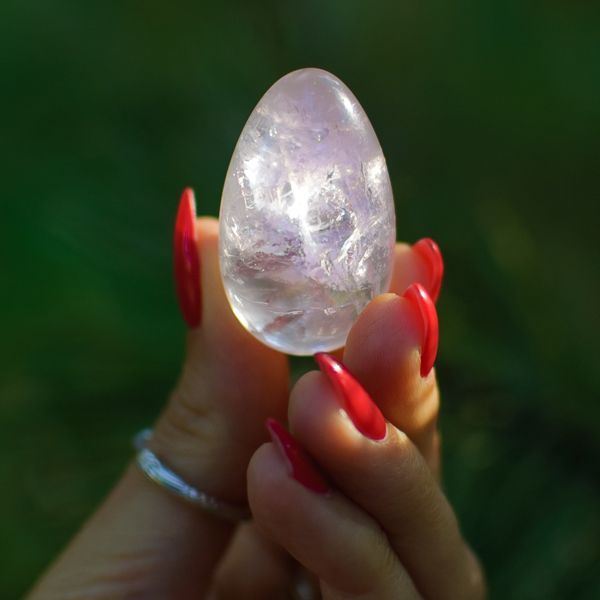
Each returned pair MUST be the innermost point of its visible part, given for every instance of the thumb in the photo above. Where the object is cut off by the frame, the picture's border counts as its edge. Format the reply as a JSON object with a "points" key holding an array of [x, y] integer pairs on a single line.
{"points": [[230, 383]]}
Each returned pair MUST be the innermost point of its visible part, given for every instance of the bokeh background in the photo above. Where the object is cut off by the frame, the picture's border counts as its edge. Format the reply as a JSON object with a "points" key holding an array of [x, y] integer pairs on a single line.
{"points": [[489, 115]]}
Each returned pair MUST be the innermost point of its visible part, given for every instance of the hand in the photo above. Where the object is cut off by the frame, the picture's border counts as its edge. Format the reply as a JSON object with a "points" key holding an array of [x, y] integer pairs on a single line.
{"points": [[377, 524], [142, 542]]}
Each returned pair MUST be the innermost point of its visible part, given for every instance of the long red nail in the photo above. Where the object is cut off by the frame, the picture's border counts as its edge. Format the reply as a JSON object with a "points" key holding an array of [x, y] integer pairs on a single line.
{"points": [[418, 296], [187, 263], [363, 412], [429, 251], [299, 464]]}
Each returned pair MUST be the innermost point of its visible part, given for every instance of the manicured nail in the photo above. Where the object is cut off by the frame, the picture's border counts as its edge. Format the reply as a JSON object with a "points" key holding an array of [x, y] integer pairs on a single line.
{"points": [[363, 412], [429, 251], [187, 263], [425, 308], [299, 464]]}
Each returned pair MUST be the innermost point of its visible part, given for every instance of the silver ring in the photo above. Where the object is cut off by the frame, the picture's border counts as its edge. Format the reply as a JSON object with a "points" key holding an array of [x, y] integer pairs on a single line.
{"points": [[157, 471]]}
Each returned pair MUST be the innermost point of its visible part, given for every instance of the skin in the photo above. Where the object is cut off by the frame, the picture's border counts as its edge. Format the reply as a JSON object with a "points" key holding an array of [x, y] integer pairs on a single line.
{"points": [[385, 530]]}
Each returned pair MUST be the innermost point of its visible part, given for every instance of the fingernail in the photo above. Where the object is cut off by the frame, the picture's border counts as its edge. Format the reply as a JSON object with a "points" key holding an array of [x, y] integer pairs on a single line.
{"points": [[429, 251], [187, 263], [299, 464], [363, 412], [425, 308]]}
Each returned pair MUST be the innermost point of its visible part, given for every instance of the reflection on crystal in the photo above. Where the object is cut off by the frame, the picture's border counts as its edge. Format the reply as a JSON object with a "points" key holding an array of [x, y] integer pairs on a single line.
{"points": [[307, 224]]}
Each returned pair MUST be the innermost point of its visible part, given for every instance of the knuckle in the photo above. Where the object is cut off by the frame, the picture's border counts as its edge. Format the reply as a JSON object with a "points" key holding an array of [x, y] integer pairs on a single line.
{"points": [[186, 415], [189, 419]]}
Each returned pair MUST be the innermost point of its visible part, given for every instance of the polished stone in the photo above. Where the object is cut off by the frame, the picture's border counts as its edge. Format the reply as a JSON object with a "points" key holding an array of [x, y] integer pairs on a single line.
{"points": [[307, 222]]}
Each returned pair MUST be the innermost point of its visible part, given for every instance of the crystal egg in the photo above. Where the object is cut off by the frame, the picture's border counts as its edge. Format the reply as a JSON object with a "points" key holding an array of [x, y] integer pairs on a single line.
{"points": [[307, 221]]}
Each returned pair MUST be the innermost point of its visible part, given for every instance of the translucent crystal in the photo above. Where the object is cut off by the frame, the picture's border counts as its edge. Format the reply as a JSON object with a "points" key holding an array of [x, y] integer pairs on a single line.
{"points": [[307, 223]]}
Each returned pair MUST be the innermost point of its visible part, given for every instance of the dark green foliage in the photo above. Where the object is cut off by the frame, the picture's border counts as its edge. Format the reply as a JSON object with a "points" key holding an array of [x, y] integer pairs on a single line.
{"points": [[489, 115]]}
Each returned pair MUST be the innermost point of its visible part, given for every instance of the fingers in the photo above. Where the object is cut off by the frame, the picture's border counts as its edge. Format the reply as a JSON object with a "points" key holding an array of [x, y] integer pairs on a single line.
{"points": [[390, 350], [420, 263], [253, 568], [389, 479], [329, 535], [392, 346], [410, 266]]}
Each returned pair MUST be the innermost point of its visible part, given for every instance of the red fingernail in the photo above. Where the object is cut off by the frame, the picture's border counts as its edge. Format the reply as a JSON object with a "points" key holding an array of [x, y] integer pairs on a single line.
{"points": [[363, 412], [187, 263], [299, 464], [429, 251], [418, 296]]}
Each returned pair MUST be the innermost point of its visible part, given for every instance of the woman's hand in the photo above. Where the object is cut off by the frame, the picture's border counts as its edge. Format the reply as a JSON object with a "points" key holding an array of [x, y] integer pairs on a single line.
{"points": [[370, 520], [142, 542]]}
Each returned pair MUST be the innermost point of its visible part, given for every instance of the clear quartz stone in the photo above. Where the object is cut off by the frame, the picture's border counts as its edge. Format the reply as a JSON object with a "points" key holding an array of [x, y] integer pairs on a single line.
{"points": [[307, 222]]}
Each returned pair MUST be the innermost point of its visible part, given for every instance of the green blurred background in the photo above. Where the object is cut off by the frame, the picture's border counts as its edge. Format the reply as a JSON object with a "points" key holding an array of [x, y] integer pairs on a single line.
{"points": [[489, 115]]}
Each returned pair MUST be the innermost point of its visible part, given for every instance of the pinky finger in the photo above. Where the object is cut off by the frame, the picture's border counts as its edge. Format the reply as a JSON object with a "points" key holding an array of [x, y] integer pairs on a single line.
{"points": [[325, 532]]}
